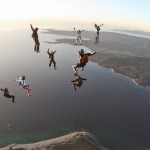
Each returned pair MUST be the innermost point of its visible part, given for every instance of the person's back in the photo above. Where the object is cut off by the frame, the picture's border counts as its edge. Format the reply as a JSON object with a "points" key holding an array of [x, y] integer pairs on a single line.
{"points": [[34, 34], [6, 92], [98, 29], [51, 55], [35, 38], [83, 59], [79, 33]]}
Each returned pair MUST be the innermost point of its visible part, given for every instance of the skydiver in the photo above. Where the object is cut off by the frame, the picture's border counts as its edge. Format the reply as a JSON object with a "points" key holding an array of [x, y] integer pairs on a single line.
{"points": [[23, 84], [97, 32], [35, 38], [7, 94], [77, 82], [51, 58], [83, 59], [78, 36]]}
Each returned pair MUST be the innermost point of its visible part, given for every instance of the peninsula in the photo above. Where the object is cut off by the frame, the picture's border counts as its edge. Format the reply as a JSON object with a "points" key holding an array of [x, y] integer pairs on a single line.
{"points": [[128, 55]]}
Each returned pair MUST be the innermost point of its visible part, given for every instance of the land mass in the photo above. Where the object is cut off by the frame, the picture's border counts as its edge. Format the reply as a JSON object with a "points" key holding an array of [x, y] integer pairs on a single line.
{"points": [[72, 141], [135, 32], [128, 55]]}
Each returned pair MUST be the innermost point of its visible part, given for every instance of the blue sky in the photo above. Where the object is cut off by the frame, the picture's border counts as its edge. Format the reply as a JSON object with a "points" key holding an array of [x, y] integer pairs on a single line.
{"points": [[134, 14]]}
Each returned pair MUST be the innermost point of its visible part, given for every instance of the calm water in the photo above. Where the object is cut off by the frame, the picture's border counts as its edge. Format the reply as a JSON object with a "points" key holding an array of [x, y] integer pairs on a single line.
{"points": [[108, 105]]}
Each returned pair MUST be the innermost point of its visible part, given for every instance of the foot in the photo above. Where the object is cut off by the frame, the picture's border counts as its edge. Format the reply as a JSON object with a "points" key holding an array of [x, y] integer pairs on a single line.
{"points": [[55, 68], [82, 69], [13, 100], [75, 44]]}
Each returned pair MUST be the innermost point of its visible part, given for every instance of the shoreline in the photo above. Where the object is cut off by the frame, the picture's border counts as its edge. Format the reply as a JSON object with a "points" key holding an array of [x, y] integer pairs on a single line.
{"points": [[129, 64], [76, 140]]}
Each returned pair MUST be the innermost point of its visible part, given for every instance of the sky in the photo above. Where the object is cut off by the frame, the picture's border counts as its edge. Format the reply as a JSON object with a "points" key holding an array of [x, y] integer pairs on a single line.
{"points": [[127, 14]]}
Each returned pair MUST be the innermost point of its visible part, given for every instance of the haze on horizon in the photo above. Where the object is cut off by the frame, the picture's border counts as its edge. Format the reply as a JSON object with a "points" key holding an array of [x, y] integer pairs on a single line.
{"points": [[125, 14]]}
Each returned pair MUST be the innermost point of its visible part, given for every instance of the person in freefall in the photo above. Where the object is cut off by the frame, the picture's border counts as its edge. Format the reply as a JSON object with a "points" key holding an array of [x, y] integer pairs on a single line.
{"points": [[24, 84], [79, 38], [77, 82], [97, 32], [7, 94], [83, 59], [51, 58], [35, 38]]}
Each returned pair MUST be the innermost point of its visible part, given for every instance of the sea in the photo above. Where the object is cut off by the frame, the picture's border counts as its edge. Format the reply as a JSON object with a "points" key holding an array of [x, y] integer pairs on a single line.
{"points": [[109, 105]]}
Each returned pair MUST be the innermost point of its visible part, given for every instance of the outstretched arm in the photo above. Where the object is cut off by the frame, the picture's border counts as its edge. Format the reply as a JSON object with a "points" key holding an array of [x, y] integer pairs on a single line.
{"points": [[48, 51], [83, 79], [31, 27], [1, 89], [101, 25], [54, 52], [92, 53]]}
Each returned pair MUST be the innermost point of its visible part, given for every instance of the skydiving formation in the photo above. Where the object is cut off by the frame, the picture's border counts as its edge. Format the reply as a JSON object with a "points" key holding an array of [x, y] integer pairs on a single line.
{"points": [[7, 94], [83, 60], [35, 38], [24, 85], [97, 32], [51, 58], [79, 38], [77, 82]]}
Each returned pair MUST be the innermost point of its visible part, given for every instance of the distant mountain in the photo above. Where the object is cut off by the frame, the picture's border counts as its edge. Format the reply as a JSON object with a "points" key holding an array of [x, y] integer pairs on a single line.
{"points": [[134, 32]]}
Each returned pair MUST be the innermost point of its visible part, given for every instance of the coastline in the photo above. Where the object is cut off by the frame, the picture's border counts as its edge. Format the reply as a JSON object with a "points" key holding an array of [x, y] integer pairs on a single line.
{"points": [[127, 63], [76, 140]]}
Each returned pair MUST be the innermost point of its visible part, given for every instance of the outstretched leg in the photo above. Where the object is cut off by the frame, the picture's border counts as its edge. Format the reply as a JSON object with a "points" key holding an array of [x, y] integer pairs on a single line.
{"points": [[74, 68], [74, 86], [50, 63], [37, 46], [54, 64], [76, 41], [27, 89], [11, 96], [80, 41]]}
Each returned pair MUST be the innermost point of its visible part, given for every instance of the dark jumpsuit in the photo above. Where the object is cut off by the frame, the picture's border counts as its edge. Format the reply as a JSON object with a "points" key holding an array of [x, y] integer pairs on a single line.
{"points": [[51, 57]]}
